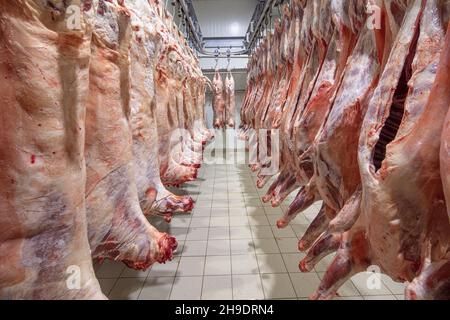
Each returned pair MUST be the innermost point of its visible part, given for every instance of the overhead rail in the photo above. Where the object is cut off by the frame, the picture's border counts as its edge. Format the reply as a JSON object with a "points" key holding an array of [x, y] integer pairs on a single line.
{"points": [[259, 23]]}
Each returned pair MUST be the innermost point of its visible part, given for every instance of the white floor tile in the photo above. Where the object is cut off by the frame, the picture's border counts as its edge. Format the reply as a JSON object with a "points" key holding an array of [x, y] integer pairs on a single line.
{"points": [[219, 233], [299, 229], [194, 248], [217, 288], [238, 212], [191, 266], [277, 286], [219, 212], [242, 246], [291, 260], [168, 269], [157, 288], [131, 273], [370, 288], [258, 220], [262, 232], [109, 269], [271, 263], [200, 222], [197, 234], [347, 289], [386, 297], [106, 285], [255, 211], [217, 265], [236, 204], [288, 245], [201, 212], [218, 248], [187, 288], [180, 222], [244, 264], [240, 232], [127, 289], [264, 246], [283, 233], [179, 233], [273, 211], [396, 288], [305, 284], [300, 219], [239, 221], [220, 221], [247, 287]]}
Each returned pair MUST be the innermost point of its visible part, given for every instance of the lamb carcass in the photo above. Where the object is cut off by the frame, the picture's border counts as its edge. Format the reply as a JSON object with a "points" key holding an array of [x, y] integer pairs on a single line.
{"points": [[44, 65], [117, 227]]}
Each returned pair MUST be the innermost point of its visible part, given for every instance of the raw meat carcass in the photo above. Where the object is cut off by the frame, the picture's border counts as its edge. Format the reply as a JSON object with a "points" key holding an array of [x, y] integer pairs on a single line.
{"points": [[402, 228], [117, 227], [230, 100], [218, 100], [347, 21], [176, 167], [153, 196], [44, 68]]}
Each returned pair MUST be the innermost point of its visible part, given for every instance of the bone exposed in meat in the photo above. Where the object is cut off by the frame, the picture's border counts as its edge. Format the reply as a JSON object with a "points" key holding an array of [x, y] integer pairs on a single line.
{"points": [[44, 68]]}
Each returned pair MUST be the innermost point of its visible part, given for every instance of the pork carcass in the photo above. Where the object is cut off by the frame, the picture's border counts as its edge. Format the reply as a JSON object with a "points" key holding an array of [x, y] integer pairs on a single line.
{"points": [[118, 229], [44, 66]]}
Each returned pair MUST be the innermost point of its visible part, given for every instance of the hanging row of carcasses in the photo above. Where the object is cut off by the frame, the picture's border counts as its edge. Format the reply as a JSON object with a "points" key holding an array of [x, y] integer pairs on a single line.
{"points": [[102, 108], [359, 92]]}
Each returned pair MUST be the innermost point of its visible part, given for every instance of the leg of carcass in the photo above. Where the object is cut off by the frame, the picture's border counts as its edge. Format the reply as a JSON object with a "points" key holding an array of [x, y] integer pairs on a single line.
{"points": [[348, 215], [283, 190], [173, 203], [270, 193], [316, 228], [326, 244], [432, 284], [351, 258], [304, 199], [118, 230], [262, 180]]}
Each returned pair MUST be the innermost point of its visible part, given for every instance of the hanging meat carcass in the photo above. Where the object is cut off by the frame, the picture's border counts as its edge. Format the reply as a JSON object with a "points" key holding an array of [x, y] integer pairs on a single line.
{"points": [[153, 196], [44, 65], [218, 100], [117, 227], [282, 58], [168, 79], [403, 229], [347, 22], [230, 100]]}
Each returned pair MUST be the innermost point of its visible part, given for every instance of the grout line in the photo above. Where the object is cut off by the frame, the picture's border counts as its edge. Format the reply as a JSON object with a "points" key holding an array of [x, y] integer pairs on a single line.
{"points": [[207, 242]]}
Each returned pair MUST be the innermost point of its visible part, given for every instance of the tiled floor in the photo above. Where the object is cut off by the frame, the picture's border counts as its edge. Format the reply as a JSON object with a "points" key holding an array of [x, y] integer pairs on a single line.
{"points": [[229, 248]]}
